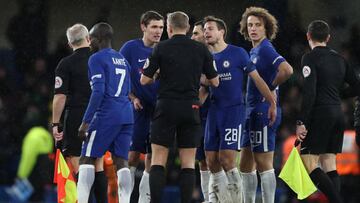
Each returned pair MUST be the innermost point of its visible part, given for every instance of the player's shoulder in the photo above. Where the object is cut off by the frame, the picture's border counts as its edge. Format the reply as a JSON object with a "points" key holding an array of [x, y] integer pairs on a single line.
{"points": [[266, 46], [237, 49], [132, 43]]}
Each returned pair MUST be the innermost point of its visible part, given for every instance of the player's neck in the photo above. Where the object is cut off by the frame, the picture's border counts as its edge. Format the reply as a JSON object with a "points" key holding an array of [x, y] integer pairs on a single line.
{"points": [[104, 45], [148, 43], [218, 47], [256, 43]]}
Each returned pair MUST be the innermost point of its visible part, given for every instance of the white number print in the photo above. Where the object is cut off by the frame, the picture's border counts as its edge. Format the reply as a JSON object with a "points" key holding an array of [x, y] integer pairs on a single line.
{"points": [[232, 135], [122, 73], [256, 137]]}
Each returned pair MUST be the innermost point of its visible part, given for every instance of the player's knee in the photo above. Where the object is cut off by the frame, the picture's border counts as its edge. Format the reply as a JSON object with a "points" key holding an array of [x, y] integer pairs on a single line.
{"points": [[202, 165], [133, 161], [87, 160], [227, 162], [120, 162], [213, 164]]}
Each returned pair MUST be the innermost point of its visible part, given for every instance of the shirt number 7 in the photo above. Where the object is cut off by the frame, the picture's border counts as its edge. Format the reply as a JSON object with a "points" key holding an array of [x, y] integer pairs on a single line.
{"points": [[122, 73]]}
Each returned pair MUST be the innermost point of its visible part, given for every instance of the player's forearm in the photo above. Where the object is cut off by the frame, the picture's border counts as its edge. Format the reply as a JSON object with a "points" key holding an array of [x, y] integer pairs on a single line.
{"points": [[145, 80], [58, 107], [203, 94], [262, 87], [96, 98], [284, 73]]}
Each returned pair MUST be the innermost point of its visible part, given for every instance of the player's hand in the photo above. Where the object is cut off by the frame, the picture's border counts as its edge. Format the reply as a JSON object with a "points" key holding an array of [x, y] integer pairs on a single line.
{"points": [[56, 134], [83, 131], [272, 114], [301, 132], [137, 104], [156, 75]]}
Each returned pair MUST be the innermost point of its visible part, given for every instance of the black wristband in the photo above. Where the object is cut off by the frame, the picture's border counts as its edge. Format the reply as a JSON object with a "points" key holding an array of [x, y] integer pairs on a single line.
{"points": [[272, 88], [55, 124]]}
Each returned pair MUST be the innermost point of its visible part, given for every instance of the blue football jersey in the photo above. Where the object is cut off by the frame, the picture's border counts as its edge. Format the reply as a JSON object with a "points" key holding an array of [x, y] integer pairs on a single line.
{"points": [[231, 65], [109, 74], [136, 53], [266, 61]]}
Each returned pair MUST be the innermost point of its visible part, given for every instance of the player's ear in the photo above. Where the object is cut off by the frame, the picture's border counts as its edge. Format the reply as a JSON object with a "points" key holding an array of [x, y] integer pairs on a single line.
{"points": [[223, 32], [308, 37], [143, 27], [70, 45]]}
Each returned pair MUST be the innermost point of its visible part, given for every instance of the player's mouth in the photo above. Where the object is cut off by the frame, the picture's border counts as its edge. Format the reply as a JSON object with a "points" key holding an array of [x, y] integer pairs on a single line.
{"points": [[253, 35]]}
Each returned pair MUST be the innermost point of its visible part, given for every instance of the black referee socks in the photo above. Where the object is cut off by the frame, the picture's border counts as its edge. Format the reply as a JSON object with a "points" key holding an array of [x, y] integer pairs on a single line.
{"points": [[100, 187], [334, 176], [157, 183], [187, 183], [324, 184]]}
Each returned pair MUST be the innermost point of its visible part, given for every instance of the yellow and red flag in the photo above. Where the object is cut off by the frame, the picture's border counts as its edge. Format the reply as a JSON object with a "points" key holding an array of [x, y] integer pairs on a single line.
{"points": [[65, 180], [295, 175]]}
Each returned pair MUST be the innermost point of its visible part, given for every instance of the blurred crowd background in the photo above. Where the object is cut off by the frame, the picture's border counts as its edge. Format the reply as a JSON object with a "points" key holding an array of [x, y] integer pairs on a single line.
{"points": [[32, 41]]}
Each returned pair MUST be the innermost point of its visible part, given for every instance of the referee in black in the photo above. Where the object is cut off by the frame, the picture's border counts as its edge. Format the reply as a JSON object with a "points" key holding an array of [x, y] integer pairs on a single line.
{"points": [[180, 62], [320, 126], [72, 93]]}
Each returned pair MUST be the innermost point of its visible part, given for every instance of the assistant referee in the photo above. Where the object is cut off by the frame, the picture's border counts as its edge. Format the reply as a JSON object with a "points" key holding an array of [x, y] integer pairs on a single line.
{"points": [[321, 124], [180, 62]]}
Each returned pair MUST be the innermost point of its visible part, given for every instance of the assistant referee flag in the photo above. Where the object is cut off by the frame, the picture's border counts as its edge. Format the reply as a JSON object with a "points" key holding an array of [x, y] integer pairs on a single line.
{"points": [[296, 177], [66, 183]]}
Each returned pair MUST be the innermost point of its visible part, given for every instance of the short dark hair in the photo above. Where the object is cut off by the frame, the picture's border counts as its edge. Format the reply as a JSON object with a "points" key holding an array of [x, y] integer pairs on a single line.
{"points": [[270, 22], [178, 20], [318, 30], [102, 31], [200, 22], [149, 16], [221, 25]]}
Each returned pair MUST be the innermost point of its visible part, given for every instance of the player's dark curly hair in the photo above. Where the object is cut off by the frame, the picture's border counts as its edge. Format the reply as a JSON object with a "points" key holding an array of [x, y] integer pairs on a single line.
{"points": [[270, 22]]}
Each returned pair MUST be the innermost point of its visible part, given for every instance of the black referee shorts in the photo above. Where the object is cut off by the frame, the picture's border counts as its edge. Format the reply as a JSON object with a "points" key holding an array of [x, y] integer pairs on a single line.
{"points": [[72, 121], [176, 120], [325, 131]]}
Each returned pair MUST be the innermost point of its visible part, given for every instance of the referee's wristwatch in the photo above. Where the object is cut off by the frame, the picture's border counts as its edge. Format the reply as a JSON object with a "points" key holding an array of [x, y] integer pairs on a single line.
{"points": [[299, 122]]}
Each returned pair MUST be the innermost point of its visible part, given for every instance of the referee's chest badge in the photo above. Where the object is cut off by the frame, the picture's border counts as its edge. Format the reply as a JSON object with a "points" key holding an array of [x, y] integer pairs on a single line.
{"points": [[306, 71]]}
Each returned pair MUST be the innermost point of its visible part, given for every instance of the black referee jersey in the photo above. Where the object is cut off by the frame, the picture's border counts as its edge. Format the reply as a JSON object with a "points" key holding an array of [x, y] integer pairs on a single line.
{"points": [[181, 62], [71, 78], [325, 73]]}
